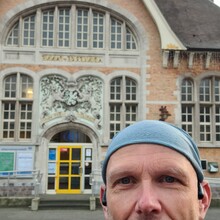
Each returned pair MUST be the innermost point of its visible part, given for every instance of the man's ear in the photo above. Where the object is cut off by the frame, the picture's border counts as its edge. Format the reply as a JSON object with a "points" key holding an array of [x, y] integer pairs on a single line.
{"points": [[204, 203], [103, 195]]}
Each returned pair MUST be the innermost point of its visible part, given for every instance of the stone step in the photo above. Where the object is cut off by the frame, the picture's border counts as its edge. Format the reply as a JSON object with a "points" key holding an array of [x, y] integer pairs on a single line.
{"points": [[64, 204], [67, 201]]}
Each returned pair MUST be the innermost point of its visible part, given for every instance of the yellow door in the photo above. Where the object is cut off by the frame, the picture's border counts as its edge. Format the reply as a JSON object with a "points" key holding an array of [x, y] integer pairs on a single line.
{"points": [[69, 169]]}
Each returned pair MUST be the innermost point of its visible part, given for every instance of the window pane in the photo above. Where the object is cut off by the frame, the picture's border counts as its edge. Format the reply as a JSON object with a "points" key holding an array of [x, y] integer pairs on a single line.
{"points": [[205, 123], [64, 27], [131, 114], [82, 28], [27, 87], [187, 118], [10, 86], [25, 120], [116, 34], [217, 123], [217, 90], [98, 30], [130, 89], [187, 90], [47, 28], [130, 40], [115, 88], [29, 31], [8, 120], [13, 36], [205, 88], [115, 117]]}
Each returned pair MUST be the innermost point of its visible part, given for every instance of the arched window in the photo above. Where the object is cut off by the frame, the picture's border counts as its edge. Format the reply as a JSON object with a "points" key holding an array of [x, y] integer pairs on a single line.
{"points": [[74, 27], [17, 105], [70, 136], [210, 109], [123, 103], [187, 97], [202, 116]]}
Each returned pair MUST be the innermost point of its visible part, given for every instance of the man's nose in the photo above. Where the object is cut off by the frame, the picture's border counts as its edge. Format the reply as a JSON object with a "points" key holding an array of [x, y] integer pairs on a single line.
{"points": [[149, 200]]}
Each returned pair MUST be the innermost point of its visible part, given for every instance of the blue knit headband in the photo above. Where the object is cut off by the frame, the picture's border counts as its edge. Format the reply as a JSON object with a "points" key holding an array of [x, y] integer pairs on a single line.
{"points": [[156, 132]]}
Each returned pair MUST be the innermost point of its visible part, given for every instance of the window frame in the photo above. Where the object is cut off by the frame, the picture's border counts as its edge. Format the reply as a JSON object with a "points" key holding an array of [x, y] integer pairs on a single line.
{"points": [[42, 38], [120, 102], [205, 109], [15, 118]]}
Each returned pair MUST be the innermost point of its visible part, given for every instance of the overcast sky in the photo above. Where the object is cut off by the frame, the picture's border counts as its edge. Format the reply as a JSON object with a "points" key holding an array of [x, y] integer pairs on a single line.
{"points": [[217, 2]]}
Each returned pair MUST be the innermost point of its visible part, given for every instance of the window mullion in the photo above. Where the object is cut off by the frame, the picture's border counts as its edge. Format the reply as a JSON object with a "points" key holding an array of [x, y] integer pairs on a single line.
{"points": [[73, 26], [17, 107], [107, 42], [56, 22], [90, 32], [20, 35], [123, 101], [17, 121], [38, 27], [123, 36], [213, 111], [213, 122]]}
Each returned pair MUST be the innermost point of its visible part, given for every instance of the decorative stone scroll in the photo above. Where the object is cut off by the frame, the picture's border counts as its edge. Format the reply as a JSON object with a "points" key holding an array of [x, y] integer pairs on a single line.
{"points": [[80, 99]]}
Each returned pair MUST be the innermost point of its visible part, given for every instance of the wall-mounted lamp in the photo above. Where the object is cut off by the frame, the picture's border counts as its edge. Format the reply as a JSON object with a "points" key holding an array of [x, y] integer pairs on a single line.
{"points": [[164, 113]]}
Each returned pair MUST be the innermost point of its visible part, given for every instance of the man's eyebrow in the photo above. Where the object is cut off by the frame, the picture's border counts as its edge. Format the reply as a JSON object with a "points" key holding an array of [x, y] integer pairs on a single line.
{"points": [[114, 173], [176, 171]]}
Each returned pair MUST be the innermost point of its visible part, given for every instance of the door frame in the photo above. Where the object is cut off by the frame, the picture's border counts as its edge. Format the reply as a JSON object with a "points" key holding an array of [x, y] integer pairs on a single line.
{"points": [[70, 173], [84, 161]]}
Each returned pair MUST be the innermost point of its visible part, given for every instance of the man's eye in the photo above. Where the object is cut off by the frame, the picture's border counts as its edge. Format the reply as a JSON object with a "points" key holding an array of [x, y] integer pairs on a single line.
{"points": [[168, 179], [125, 180]]}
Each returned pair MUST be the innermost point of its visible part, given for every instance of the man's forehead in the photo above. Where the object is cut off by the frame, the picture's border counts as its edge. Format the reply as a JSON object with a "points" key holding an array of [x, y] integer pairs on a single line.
{"points": [[146, 150], [156, 132], [153, 160]]}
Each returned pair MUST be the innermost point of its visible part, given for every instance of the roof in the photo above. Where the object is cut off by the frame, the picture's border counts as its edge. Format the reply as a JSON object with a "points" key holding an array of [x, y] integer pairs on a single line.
{"points": [[195, 22]]}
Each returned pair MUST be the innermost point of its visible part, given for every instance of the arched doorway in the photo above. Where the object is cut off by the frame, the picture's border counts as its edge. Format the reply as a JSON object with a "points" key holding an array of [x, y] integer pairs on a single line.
{"points": [[70, 162]]}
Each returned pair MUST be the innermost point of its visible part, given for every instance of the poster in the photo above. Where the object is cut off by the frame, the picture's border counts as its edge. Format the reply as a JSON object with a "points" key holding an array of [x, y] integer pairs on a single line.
{"points": [[24, 162], [51, 168], [6, 162], [52, 154]]}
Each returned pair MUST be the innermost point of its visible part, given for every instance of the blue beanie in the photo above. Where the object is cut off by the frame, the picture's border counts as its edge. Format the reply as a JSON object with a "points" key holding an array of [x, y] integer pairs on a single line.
{"points": [[156, 132]]}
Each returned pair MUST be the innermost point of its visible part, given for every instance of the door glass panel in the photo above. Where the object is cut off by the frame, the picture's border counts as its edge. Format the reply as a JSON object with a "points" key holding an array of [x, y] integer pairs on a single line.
{"points": [[88, 154], [51, 183], [64, 168], [69, 168], [86, 183], [64, 153], [76, 154], [51, 168], [75, 168], [63, 183], [88, 167], [75, 182], [52, 154]]}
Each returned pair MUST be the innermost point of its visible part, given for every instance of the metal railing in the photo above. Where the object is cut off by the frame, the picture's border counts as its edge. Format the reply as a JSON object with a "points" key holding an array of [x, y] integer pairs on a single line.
{"points": [[95, 181], [20, 183]]}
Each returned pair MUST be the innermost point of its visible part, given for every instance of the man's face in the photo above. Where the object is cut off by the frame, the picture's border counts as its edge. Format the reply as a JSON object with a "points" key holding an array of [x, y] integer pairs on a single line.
{"points": [[151, 182]]}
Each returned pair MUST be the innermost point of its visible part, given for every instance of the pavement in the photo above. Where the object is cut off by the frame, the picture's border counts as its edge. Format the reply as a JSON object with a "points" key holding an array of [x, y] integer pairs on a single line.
{"points": [[69, 214]]}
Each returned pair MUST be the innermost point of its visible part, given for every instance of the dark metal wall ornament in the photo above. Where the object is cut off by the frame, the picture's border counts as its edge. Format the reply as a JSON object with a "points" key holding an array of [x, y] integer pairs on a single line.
{"points": [[164, 113]]}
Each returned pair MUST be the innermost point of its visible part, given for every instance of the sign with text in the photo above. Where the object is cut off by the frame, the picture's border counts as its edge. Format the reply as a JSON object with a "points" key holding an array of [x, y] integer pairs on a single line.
{"points": [[24, 162], [7, 162]]}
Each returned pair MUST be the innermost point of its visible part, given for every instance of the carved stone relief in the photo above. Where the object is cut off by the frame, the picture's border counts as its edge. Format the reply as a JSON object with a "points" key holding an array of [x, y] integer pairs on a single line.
{"points": [[80, 99]]}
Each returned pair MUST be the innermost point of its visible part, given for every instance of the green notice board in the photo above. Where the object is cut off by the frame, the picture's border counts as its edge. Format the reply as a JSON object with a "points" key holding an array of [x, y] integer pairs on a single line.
{"points": [[7, 161]]}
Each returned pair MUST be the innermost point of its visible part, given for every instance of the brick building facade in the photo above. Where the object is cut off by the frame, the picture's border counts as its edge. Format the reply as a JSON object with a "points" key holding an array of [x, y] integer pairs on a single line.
{"points": [[73, 73]]}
